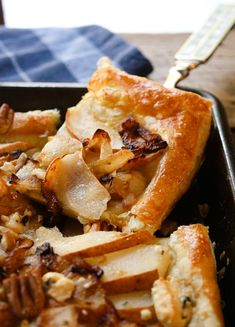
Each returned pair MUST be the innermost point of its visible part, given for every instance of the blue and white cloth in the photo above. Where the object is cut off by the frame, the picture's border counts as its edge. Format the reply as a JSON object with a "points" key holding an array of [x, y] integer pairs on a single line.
{"points": [[64, 54]]}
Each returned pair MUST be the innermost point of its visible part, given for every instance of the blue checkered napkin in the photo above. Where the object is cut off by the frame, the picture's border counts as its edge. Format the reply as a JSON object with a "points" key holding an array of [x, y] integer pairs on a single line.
{"points": [[64, 54]]}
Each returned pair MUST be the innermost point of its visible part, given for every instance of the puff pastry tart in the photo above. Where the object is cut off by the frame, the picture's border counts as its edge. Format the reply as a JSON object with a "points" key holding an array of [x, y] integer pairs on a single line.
{"points": [[135, 148], [171, 280]]}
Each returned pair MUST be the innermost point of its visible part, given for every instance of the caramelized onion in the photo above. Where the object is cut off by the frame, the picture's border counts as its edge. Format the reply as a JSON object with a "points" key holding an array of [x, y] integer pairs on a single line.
{"points": [[111, 163], [140, 140]]}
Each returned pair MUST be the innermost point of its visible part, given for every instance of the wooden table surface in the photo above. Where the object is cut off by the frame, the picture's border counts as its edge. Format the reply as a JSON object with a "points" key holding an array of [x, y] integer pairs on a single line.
{"points": [[216, 76]]}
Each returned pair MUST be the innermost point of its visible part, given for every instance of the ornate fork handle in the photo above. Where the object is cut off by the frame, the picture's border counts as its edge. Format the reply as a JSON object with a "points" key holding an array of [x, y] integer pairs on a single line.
{"points": [[180, 71]]}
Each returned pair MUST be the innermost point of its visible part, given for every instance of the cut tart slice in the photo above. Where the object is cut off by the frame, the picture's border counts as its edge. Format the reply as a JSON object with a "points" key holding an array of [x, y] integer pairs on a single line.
{"points": [[125, 154], [189, 295], [165, 129]]}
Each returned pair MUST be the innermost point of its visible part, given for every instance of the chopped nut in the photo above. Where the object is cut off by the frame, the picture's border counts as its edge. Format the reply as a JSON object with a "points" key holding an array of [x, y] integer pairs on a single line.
{"points": [[13, 222], [16, 257], [25, 294], [7, 319], [8, 240]]}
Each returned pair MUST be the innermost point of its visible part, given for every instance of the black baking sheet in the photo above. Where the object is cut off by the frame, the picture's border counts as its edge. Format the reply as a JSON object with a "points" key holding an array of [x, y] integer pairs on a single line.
{"points": [[214, 185]]}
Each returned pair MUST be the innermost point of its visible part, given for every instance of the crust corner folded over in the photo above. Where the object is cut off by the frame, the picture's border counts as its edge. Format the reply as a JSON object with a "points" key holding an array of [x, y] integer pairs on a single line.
{"points": [[184, 118], [187, 137], [195, 262]]}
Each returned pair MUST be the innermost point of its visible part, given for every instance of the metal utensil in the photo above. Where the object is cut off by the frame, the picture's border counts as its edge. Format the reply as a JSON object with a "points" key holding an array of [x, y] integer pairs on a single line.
{"points": [[200, 45]]}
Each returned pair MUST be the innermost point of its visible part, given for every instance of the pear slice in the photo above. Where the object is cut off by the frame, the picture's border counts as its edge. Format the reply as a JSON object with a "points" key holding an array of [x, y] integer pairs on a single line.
{"points": [[82, 124], [90, 244], [58, 146], [135, 306], [133, 269], [70, 185]]}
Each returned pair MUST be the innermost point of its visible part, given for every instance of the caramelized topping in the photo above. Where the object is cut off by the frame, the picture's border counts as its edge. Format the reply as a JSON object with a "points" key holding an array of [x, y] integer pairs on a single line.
{"points": [[56, 263], [53, 204], [44, 249], [138, 139], [85, 269]]}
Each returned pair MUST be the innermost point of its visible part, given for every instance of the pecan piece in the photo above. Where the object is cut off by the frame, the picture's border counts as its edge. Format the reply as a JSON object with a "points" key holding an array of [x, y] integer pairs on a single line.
{"points": [[25, 294], [6, 118], [7, 319]]}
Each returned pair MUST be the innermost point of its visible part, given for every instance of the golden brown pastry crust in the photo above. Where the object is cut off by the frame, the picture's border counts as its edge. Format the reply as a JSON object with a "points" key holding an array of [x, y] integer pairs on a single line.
{"points": [[194, 239], [182, 118], [42, 123], [194, 270], [32, 127]]}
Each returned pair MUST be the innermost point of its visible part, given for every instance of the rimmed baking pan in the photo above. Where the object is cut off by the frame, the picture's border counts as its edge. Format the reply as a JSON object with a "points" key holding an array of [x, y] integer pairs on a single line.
{"points": [[211, 198]]}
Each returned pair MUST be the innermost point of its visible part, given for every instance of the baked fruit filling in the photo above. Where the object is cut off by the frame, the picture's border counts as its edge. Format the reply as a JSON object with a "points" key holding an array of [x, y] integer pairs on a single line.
{"points": [[117, 166], [125, 154]]}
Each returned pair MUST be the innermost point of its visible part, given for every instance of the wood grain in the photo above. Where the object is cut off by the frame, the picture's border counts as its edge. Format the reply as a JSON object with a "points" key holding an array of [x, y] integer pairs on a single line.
{"points": [[216, 76]]}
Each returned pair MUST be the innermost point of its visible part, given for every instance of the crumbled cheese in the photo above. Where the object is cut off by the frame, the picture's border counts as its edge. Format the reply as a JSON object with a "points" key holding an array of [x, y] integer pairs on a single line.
{"points": [[58, 286], [145, 314]]}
